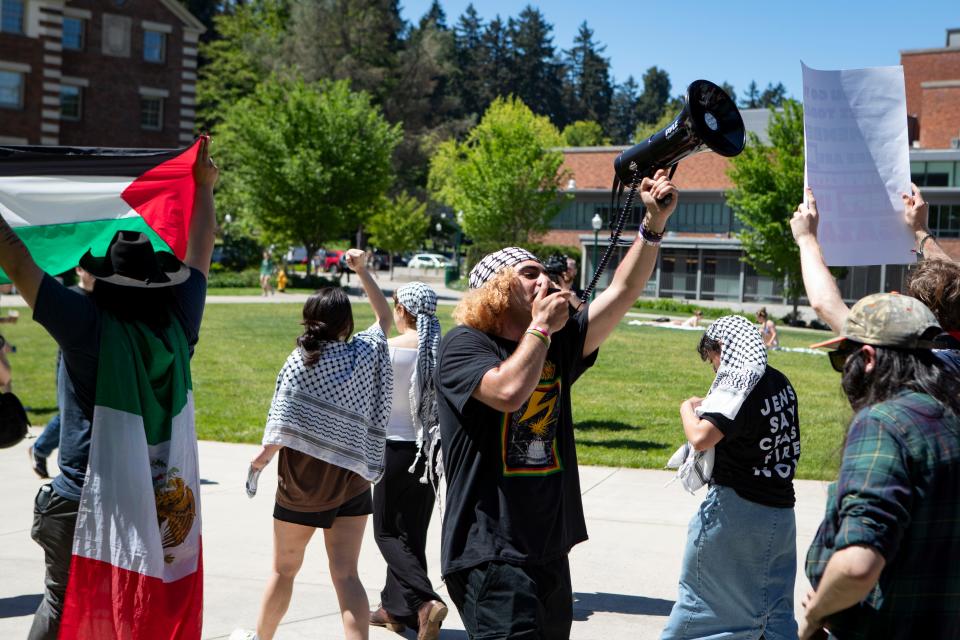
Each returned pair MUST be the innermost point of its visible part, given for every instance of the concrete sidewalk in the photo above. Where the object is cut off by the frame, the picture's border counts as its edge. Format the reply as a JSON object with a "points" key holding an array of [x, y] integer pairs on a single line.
{"points": [[625, 576]]}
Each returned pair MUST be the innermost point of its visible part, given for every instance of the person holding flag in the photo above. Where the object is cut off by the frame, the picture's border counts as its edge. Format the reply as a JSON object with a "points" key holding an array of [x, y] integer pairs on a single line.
{"points": [[120, 528]]}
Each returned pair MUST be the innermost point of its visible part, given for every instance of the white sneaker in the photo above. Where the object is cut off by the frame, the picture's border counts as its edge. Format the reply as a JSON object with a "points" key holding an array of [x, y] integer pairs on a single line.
{"points": [[243, 634]]}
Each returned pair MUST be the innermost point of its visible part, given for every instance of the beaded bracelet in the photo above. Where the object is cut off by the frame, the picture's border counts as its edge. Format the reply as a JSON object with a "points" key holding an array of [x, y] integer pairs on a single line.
{"points": [[542, 338], [650, 237]]}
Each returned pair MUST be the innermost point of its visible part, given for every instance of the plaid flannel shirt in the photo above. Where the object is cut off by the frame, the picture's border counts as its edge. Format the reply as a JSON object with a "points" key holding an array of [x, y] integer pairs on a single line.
{"points": [[898, 492]]}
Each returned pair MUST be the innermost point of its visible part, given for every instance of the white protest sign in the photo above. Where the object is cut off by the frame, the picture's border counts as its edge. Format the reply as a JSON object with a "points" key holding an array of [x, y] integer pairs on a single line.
{"points": [[858, 163]]}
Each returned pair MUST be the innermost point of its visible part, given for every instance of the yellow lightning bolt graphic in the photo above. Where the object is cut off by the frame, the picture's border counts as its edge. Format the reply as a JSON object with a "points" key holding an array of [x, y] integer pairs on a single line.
{"points": [[538, 404]]}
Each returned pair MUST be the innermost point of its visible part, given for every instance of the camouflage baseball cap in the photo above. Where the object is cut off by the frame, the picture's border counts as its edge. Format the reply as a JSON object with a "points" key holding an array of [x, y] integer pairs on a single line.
{"points": [[888, 320]]}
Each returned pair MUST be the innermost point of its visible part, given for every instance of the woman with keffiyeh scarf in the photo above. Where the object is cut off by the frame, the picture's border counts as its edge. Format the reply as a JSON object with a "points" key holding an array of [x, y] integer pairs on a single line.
{"points": [[403, 500], [739, 568]]}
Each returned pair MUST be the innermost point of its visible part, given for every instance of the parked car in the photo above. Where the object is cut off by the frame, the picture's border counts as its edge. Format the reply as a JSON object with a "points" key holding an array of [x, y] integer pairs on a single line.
{"points": [[381, 260], [428, 261], [332, 260], [297, 255]]}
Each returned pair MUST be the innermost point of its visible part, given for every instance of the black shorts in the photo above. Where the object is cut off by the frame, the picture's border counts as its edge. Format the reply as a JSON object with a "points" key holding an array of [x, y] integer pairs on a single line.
{"points": [[361, 505]]}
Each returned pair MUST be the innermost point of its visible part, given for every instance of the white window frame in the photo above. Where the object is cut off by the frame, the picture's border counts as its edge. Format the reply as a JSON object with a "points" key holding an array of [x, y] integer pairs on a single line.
{"points": [[163, 46], [79, 88], [159, 99], [23, 89], [83, 33]]}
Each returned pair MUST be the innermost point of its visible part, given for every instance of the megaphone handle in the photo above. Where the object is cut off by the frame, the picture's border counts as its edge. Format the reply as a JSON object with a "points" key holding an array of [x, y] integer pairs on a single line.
{"points": [[666, 200]]}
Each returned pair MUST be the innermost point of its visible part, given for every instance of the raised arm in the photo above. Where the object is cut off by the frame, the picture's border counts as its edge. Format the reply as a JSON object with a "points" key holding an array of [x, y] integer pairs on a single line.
{"points": [[18, 264], [631, 276], [356, 259], [916, 212], [203, 224], [822, 290]]}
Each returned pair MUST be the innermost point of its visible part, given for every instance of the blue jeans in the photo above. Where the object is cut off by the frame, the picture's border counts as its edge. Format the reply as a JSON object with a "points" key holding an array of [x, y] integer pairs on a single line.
{"points": [[738, 572], [49, 439]]}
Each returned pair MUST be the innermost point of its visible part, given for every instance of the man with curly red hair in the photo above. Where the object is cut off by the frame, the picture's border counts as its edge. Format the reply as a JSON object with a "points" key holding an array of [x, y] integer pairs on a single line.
{"points": [[513, 507]]}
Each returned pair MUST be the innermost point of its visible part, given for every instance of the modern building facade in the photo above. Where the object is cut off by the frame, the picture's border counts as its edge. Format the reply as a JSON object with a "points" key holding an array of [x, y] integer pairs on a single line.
{"points": [[97, 72], [701, 257]]}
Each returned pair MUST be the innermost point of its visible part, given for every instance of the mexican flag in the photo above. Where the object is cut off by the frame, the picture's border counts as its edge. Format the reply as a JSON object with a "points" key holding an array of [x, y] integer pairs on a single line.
{"points": [[136, 570], [62, 201]]}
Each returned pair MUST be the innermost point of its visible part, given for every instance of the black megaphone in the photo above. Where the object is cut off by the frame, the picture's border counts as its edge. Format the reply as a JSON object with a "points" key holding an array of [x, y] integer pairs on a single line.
{"points": [[708, 120]]}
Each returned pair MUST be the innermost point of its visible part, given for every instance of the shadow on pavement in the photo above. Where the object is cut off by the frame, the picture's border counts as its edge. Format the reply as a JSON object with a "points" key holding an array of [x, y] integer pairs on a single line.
{"points": [[588, 604], [19, 605]]}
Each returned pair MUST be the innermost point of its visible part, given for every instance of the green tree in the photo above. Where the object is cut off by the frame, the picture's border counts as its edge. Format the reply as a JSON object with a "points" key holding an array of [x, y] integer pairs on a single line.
{"points": [[768, 183], [773, 96], [589, 91], [751, 100], [505, 176], [246, 52], [307, 162], [623, 112], [584, 133], [399, 225], [537, 76], [656, 93]]}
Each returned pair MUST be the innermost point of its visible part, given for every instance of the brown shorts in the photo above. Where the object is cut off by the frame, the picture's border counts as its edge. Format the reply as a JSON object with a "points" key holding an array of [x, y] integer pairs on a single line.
{"points": [[361, 505]]}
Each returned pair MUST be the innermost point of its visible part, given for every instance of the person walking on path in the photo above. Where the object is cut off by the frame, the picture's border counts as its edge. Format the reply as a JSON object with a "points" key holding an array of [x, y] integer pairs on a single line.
{"points": [[124, 347], [513, 508], [49, 438], [267, 269], [328, 420], [740, 564], [885, 562], [404, 498]]}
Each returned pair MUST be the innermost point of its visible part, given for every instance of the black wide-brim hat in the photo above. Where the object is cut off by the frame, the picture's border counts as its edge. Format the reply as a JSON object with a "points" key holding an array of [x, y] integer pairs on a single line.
{"points": [[132, 262]]}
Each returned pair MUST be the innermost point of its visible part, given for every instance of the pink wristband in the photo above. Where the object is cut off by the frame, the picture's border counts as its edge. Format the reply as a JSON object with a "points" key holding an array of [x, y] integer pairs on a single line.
{"points": [[545, 332]]}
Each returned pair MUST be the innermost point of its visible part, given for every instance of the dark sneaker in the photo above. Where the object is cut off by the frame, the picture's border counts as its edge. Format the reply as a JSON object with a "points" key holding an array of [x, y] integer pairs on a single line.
{"points": [[39, 463], [382, 618]]}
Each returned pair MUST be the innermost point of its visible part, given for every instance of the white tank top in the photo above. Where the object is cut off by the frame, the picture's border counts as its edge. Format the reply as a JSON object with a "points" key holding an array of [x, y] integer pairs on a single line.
{"points": [[400, 424]]}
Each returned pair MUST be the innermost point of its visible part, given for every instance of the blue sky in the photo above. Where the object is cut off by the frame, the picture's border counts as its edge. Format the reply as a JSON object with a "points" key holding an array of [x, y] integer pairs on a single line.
{"points": [[735, 40]]}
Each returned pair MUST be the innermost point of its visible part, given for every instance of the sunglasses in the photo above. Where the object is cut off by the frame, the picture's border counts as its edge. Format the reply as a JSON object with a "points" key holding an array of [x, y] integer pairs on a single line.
{"points": [[839, 357]]}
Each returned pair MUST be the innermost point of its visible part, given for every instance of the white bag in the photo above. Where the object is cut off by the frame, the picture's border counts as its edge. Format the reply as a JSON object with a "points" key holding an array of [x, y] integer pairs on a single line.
{"points": [[694, 468]]}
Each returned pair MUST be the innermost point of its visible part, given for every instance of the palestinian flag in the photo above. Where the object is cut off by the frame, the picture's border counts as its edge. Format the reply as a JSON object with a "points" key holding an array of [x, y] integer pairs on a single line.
{"points": [[136, 571], [62, 201]]}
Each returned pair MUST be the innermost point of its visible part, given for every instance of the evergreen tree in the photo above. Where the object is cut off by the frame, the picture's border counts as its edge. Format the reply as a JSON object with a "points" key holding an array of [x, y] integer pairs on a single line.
{"points": [[752, 98], [494, 63], [468, 42], [623, 112], [536, 78], [435, 16], [773, 96], [656, 93], [589, 91]]}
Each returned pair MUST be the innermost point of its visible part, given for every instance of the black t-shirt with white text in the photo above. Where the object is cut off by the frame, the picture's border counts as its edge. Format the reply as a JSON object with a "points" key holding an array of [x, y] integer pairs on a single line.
{"points": [[513, 487], [760, 449]]}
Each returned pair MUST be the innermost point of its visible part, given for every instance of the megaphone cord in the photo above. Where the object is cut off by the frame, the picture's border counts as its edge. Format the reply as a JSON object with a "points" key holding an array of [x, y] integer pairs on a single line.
{"points": [[617, 229], [615, 232]]}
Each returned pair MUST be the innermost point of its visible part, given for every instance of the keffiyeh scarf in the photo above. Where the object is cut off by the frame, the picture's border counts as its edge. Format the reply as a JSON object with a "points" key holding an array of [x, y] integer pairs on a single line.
{"points": [[743, 361], [494, 262], [336, 410], [421, 302]]}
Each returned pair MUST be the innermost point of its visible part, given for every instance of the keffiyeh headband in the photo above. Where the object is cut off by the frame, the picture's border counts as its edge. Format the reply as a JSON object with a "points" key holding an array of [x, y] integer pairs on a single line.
{"points": [[494, 262], [743, 361], [421, 301]]}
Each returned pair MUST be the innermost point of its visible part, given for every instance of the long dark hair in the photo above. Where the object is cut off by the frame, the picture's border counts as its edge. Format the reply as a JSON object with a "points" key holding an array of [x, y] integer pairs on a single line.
{"points": [[134, 304], [898, 370], [327, 317]]}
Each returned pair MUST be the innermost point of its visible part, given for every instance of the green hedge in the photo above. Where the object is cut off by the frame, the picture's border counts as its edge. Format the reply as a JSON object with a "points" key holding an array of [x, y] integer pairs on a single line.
{"points": [[680, 307], [251, 278]]}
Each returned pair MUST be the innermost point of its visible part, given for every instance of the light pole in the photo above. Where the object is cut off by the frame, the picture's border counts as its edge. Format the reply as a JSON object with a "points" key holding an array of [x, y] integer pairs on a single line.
{"points": [[597, 223]]}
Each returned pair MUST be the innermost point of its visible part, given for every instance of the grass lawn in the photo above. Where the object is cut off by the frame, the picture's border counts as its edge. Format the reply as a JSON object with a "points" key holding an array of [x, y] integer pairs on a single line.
{"points": [[626, 407]]}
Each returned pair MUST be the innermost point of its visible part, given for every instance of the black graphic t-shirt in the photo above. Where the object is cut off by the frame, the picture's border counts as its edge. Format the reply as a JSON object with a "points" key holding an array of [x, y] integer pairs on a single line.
{"points": [[760, 449], [513, 488]]}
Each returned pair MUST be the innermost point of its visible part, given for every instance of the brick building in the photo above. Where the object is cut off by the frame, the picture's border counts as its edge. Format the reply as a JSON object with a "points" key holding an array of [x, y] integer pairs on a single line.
{"points": [[700, 256], [118, 73]]}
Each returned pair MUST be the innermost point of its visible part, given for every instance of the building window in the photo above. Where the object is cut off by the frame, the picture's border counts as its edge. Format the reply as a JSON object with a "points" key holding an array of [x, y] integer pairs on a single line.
{"points": [[72, 33], [945, 220], [71, 99], [678, 273], [11, 90], [154, 46], [151, 113], [11, 16]]}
